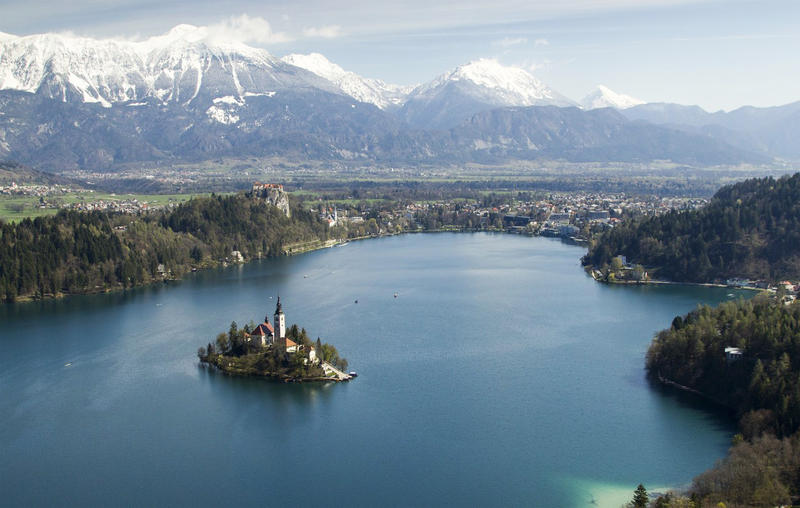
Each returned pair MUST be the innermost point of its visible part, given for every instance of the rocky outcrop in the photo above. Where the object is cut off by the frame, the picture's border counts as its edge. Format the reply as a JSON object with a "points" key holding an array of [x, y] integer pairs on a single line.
{"points": [[273, 194]]}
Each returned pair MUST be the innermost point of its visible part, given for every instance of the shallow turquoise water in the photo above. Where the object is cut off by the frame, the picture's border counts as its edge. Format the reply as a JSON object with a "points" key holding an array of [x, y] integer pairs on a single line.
{"points": [[500, 375]]}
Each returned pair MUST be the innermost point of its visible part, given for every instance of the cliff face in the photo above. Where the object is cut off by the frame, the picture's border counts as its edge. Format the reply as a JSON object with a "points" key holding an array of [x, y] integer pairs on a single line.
{"points": [[273, 194]]}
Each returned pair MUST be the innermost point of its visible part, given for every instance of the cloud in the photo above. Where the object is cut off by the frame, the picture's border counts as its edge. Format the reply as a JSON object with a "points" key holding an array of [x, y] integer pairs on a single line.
{"points": [[507, 42], [244, 28], [533, 67], [324, 32]]}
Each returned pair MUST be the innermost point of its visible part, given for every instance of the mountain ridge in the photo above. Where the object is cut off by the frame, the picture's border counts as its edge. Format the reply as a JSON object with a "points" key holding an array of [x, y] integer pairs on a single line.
{"points": [[477, 86], [178, 66], [373, 91], [70, 102], [604, 97]]}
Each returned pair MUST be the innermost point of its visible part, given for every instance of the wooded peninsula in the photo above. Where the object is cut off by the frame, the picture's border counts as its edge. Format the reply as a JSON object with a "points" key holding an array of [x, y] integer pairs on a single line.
{"points": [[88, 252], [748, 230], [746, 356]]}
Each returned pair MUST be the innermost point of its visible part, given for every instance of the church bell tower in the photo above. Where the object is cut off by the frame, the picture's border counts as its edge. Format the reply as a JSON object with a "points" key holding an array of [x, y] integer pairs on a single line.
{"points": [[279, 322]]}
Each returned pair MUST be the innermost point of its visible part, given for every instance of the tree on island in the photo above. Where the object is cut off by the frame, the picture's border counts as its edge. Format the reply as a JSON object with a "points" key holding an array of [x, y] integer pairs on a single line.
{"points": [[234, 353], [222, 343]]}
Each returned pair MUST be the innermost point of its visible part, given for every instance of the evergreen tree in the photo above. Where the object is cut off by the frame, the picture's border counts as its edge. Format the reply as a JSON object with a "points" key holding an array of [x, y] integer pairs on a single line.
{"points": [[640, 498]]}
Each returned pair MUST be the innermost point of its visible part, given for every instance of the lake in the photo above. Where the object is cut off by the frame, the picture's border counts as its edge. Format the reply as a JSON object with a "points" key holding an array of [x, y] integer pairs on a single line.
{"points": [[501, 374]]}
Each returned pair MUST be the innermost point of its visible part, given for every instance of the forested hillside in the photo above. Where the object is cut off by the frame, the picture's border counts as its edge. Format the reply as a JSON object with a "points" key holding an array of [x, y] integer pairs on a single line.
{"points": [[763, 386], [692, 353], [750, 229], [75, 252]]}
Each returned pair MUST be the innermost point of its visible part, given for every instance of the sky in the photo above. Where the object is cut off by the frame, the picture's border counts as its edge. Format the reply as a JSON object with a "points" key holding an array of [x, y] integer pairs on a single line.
{"points": [[718, 54]]}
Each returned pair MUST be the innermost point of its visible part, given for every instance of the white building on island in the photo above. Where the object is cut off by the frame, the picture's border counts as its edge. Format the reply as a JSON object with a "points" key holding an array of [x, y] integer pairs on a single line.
{"points": [[267, 334], [280, 322]]}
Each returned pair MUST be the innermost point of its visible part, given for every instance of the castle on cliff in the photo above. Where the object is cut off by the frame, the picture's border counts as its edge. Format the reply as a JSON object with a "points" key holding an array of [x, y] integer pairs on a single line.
{"points": [[272, 193]]}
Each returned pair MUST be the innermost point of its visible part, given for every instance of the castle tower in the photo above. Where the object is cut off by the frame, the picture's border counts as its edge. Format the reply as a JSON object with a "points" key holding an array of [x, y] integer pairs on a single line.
{"points": [[279, 322]]}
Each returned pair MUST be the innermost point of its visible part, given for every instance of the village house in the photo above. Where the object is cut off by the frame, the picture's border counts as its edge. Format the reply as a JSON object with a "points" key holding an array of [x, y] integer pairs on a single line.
{"points": [[733, 354]]}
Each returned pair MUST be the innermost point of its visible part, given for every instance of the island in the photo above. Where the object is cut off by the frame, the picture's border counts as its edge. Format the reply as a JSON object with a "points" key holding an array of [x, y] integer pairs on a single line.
{"points": [[270, 350]]}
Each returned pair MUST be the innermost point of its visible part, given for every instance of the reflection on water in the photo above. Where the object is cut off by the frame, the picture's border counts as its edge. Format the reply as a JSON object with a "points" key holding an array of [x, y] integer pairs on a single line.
{"points": [[266, 391], [498, 371]]}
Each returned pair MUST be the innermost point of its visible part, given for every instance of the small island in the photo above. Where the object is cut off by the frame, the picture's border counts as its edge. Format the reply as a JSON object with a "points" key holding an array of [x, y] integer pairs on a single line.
{"points": [[275, 352]]}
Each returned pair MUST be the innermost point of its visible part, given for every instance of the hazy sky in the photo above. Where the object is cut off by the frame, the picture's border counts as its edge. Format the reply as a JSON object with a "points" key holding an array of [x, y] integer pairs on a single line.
{"points": [[719, 54]]}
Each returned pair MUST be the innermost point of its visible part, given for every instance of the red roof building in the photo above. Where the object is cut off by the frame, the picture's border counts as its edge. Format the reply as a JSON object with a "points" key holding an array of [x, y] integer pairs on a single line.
{"points": [[264, 329], [263, 334]]}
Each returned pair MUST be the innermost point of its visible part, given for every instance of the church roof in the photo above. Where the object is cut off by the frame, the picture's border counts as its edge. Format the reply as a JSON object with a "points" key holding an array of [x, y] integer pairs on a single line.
{"points": [[264, 329], [279, 309]]}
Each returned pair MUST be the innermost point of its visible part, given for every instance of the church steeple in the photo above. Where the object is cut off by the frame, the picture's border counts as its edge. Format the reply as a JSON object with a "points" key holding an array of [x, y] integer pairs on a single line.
{"points": [[280, 321]]}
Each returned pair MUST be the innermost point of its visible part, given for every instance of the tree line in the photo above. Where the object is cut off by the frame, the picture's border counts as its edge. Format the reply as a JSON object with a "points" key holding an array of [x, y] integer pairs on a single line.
{"points": [[750, 229], [763, 387], [79, 252]]}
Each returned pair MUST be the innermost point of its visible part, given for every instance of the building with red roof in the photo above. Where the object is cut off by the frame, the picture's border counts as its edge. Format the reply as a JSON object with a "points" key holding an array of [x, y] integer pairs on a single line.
{"points": [[266, 334]]}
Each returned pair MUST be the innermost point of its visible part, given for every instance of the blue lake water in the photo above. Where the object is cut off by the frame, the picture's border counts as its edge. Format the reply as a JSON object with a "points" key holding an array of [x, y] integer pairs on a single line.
{"points": [[500, 375]]}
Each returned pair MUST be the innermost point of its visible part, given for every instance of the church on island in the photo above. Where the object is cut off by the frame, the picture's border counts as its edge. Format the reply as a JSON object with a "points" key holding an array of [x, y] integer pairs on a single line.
{"points": [[266, 334]]}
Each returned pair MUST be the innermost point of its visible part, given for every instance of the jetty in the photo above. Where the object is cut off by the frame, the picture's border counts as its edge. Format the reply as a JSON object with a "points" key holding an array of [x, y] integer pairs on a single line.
{"points": [[332, 371]]}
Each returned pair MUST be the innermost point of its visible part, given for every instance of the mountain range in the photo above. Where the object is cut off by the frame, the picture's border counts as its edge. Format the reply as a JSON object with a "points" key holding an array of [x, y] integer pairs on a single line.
{"points": [[71, 102]]}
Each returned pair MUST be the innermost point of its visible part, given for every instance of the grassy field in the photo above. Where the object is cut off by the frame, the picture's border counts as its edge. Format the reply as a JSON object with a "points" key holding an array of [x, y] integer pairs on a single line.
{"points": [[15, 208]]}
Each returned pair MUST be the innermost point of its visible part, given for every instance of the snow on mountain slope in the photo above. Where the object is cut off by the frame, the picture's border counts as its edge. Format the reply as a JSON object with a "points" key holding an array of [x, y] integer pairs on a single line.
{"points": [[372, 91], [496, 83], [179, 66], [477, 86], [604, 97]]}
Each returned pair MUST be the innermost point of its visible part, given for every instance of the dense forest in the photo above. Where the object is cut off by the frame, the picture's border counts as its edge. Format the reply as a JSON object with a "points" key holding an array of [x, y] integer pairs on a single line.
{"points": [[750, 229], [77, 252], [763, 386], [691, 353]]}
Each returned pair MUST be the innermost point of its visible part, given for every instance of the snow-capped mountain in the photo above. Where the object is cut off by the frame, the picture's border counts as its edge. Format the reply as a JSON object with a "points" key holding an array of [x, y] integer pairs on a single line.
{"points": [[372, 91], [507, 86], [75, 102], [186, 63], [476, 86], [604, 97]]}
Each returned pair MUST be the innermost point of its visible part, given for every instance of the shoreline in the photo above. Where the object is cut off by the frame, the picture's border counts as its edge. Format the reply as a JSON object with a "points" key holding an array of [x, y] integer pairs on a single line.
{"points": [[697, 393], [274, 377], [217, 365], [657, 282], [315, 245], [600, 494], [289, 250]]}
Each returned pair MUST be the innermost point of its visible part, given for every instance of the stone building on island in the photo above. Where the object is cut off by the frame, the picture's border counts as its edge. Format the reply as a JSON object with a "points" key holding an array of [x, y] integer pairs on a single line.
{"points": [[266, 334]]}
